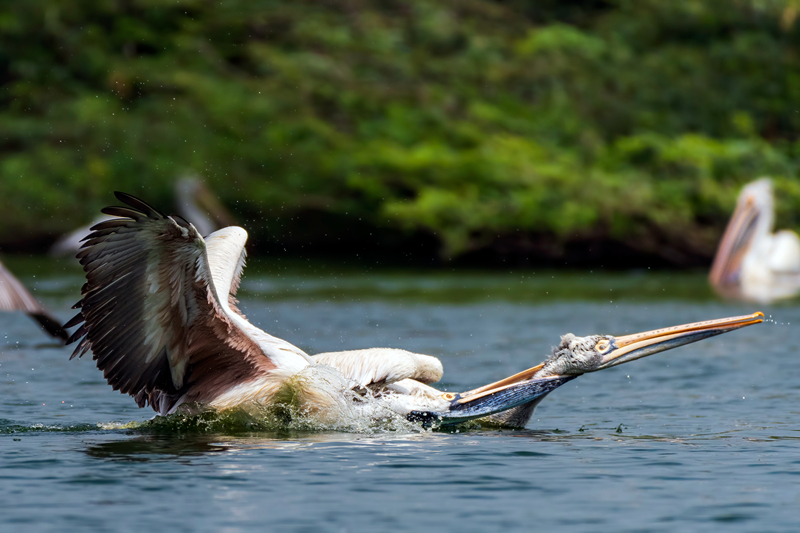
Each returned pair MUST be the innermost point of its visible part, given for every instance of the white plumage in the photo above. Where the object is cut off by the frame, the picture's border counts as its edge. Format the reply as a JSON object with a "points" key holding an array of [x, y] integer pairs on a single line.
{"points": [[383, 365]]}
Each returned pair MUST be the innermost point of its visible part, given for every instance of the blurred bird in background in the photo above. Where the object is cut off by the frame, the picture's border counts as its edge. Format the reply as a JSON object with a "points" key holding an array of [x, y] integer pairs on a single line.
{"points": [[753, 263], [15, 297], [194, 201]]}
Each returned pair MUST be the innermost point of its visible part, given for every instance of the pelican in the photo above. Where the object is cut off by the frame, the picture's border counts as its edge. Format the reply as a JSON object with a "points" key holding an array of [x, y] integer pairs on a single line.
{"points": [[196, 203], [752, 263], [193, 201], [15, 297], [159, 316]]}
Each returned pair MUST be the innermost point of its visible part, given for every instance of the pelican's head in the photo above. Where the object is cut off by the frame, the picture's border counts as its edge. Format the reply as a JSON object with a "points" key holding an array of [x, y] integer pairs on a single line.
{"points": [[571, 358], [752, 219], [578, 355]]}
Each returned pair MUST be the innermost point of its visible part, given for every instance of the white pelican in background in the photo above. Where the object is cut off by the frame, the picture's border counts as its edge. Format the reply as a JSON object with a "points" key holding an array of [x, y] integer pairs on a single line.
{"points": [[158, 314], [196, 203], [752, 263], [15, 297], [193, 201]]}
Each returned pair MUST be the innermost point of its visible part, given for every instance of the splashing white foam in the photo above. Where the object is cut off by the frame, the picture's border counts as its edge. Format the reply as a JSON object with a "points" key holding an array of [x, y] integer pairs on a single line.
{"points": [[317, 398]]}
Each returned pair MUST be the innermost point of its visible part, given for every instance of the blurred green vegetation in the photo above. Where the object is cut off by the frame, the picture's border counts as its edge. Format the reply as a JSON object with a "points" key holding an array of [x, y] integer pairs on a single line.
{"points": [[514, 127]]}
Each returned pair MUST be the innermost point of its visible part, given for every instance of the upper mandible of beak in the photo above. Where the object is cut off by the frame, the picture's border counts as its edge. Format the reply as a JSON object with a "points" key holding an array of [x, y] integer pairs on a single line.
{"points": [[631, 347]]}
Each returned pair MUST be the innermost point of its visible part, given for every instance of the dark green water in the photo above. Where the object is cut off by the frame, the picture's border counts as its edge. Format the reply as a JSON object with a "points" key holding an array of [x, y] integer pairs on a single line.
{"points": [[703, 438]]}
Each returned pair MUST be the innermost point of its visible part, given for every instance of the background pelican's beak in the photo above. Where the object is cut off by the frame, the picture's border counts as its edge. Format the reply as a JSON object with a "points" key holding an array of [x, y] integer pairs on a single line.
{"points": [[733, 247], [631, 347]]}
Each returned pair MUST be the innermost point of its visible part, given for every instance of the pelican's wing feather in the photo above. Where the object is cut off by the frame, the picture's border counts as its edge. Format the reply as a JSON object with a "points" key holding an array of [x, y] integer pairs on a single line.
{"points": [[154, 309], [383, 365], [15, 297]]}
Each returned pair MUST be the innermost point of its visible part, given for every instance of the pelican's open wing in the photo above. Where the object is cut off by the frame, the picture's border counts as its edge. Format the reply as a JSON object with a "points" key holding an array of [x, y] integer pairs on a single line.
{"points": [[15, 297], [155, 309], [383, 365]]}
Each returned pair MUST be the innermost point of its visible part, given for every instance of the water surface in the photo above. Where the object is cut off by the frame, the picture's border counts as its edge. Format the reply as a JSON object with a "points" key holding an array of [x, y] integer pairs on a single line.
{"points": [[702, 438]]}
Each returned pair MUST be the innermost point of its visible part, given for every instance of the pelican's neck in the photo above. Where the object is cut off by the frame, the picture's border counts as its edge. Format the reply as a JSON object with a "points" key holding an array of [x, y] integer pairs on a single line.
{"points": [[756, 271], [759, 195]]}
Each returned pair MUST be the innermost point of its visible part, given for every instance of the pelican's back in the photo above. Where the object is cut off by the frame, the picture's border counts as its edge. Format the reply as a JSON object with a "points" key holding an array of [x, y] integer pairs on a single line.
{"points": [[785, 254]]}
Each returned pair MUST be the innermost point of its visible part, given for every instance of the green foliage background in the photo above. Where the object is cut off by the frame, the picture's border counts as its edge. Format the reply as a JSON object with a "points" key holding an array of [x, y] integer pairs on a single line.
{"points": [[484, 124]]}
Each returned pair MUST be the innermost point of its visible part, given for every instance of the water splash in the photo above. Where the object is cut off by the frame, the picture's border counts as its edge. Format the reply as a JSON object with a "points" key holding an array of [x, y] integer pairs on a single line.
{"points": [[9, 427], [315, 399]]}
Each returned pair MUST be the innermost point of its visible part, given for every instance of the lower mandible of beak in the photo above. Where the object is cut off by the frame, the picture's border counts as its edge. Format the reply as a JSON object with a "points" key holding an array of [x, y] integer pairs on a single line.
{"points": [[465, 409]]}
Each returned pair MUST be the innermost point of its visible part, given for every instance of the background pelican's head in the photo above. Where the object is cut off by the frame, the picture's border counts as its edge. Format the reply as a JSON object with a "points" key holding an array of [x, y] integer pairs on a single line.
{"points": [[751, 221]]}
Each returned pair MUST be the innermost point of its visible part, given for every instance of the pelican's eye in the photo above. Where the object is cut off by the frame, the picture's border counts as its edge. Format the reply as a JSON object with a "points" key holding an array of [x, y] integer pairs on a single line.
{"points": [[603, 346]]}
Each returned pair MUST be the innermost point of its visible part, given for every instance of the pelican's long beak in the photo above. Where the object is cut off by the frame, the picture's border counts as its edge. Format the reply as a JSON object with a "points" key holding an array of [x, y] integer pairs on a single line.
{"points": [[530, 385], [631, 347]]}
